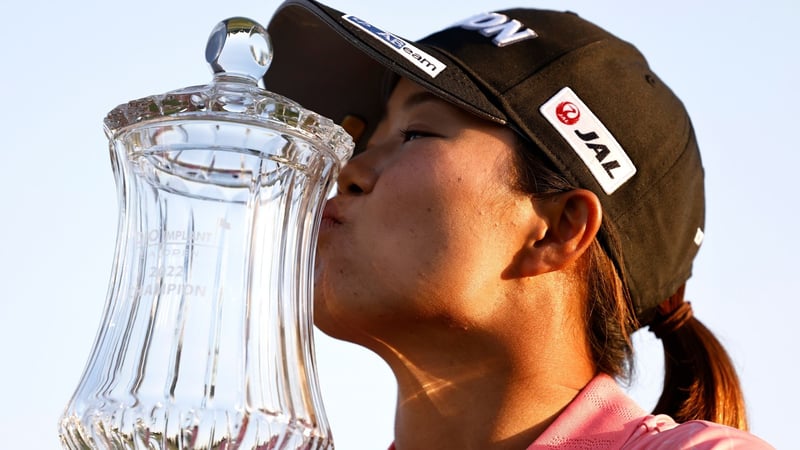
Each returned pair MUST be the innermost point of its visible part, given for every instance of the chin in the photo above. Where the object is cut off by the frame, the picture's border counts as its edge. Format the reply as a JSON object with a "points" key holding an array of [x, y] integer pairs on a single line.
{"points": [[326, 321]]}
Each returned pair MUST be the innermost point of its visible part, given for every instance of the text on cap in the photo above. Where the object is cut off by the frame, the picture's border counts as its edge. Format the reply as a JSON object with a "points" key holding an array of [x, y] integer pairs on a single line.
{"points": [[590, 139], [505, 30]]}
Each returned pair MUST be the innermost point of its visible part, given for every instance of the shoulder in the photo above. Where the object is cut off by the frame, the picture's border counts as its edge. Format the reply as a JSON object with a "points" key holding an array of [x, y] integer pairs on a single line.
{"points": [[661, 432], [602, 416]]}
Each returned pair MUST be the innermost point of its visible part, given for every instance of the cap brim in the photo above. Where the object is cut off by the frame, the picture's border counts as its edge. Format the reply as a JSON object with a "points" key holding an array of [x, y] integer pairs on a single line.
{"points": [[329, 65]]}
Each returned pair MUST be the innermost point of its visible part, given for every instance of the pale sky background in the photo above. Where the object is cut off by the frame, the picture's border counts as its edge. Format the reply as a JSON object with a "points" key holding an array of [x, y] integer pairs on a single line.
{"points": [[66, 64]]}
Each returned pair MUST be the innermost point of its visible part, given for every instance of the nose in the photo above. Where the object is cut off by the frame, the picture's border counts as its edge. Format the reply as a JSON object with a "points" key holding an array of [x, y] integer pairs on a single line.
{"points": [[359, 175]]}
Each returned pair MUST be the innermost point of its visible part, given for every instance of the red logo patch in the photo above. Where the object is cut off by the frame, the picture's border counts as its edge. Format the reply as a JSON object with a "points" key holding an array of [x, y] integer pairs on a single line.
{"points": [[568, 113]]}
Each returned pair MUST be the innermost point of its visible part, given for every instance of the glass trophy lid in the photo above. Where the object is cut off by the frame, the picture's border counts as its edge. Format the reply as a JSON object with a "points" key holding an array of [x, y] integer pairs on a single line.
{"points": [[239, 53]]}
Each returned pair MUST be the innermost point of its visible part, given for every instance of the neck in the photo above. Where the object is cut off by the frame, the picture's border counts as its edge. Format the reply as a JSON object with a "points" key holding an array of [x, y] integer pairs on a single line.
{"points": [[466, 392]]}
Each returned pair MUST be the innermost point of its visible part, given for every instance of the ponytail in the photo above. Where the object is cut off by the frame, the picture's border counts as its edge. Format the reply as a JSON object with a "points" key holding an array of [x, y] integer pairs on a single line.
{"points": [[700, 381]]}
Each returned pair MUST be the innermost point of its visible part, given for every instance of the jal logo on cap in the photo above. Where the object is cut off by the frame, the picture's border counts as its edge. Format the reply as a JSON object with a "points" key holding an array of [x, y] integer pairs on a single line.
{"points": [[590, 139], [506, 31], [568, 113]]}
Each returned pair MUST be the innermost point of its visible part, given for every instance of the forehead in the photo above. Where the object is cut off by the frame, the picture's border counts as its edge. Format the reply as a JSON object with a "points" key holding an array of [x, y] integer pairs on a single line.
{"points": [[407, 97], [407, 94]]}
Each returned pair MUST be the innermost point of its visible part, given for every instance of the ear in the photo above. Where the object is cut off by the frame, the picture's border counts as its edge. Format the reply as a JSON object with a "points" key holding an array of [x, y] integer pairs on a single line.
{"points": [[572, 219]]}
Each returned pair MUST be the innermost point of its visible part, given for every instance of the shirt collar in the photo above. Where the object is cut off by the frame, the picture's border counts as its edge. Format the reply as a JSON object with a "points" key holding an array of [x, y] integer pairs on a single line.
{"points": [[601, 414]]}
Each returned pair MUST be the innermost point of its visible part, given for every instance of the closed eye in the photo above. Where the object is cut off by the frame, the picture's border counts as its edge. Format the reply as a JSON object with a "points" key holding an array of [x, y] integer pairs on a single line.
{"points": [[410, 135]]}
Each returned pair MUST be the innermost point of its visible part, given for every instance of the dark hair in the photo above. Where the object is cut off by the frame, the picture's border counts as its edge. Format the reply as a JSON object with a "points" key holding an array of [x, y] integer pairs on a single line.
{"points": [[700, 380]]}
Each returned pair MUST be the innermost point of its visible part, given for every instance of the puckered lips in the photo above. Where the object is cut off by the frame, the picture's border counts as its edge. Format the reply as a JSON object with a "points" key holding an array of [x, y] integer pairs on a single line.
{"points": [[330, 216]]}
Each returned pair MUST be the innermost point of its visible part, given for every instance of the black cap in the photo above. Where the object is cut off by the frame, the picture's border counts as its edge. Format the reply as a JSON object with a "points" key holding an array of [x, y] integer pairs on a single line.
{"points": [[586, 98]]}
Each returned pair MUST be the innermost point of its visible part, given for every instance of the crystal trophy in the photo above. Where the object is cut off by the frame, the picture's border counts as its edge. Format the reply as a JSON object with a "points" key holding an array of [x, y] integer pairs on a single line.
{"points": [[206, 338]]}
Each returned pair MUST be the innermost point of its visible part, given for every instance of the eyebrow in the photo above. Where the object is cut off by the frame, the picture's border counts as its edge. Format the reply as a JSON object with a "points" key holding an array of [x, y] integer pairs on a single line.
{"points": [[421, 97]]}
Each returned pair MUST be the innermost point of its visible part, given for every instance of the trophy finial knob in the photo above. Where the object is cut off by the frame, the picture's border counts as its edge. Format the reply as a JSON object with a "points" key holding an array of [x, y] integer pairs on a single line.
{"points": [[240, 47]]}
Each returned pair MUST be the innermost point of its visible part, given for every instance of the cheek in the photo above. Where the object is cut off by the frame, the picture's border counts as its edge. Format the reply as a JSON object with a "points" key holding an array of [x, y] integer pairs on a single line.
{"points": [[426, 242], [416, 218], [388, 264], [438, 232]]}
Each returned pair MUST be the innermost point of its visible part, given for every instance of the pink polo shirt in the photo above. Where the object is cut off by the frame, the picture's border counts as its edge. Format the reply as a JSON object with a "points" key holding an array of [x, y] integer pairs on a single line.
{"points": [[602, 416]]}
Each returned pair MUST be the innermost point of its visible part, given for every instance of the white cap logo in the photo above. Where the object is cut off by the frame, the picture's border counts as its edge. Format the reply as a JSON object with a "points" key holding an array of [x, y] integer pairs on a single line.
{"points": [[595, 145], [505, 30], [423, 61]]}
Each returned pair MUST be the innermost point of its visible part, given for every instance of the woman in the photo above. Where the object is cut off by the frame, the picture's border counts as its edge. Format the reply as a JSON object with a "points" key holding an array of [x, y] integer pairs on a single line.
{"points": [[526, 194]]}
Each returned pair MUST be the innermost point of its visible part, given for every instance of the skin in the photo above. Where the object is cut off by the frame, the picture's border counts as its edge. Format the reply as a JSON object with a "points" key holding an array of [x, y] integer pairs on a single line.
{"points": [[468, 288]]}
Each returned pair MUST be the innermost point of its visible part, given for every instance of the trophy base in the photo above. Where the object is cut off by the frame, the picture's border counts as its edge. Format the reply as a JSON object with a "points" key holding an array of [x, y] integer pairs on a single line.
{"points": [[176, 431]]}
